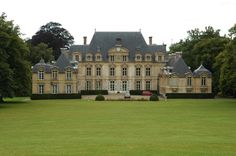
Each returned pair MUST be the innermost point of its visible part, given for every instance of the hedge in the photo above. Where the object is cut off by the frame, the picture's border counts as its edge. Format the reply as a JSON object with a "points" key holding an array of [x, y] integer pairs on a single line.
{"points": [[190, 95], [55, 96], [140, 92], [94, 92]]}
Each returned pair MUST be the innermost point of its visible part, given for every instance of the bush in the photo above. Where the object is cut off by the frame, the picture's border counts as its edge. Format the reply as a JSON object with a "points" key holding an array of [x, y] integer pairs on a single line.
{"points": [[154, 97], [99, 98], [94, 92], [140, 92], [190, 95], [55, 96]]}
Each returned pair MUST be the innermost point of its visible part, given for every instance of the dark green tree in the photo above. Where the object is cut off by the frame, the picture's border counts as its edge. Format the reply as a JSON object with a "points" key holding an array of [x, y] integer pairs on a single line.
{"points": [[40, 51], [55, 36], [15, 72]]}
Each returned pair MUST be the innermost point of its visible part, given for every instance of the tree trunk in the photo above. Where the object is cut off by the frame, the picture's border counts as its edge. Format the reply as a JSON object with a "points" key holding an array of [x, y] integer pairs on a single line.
{"points": [[1, 99]]}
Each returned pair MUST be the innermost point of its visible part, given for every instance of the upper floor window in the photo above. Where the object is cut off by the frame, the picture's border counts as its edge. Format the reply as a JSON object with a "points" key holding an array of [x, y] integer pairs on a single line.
{"points": [[148, 85], [54, 75], [88, 71], [89, 58], [148, 58], [189, 81], [124, 58], [203, 81], [138, 71], [112, 71], [124, 71], [112, 58], [98, 58], [68, 75], [41, 75], [148, 71], [98, 71]]}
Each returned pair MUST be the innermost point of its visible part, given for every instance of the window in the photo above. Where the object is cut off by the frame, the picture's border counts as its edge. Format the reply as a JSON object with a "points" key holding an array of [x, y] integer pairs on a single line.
{"points": [[148, 71], [88, 71], [124, 58], [148, 85], [77, 58], [41, 89], [89, 58], [112, 58], [138, 85], [54, 88], [124, 71], [148, 58], [54, 75], [203, 81], [68, 75], [112, 85], [124, 86], [98, 85], [138, 57], [112, 71], [41, 75], [68, 89], [159, 58], [88, 85], [138, 71], [98, 58], [189, 81], [98, 71]]}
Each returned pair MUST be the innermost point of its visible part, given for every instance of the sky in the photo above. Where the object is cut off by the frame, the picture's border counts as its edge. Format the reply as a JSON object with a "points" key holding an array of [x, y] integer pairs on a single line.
{"points": [[167, 21]]}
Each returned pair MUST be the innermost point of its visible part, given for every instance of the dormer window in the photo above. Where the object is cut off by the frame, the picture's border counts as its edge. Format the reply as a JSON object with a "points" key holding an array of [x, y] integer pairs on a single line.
{"points": [[98, 58], [77, 58], [112, 58], [138, 57], [89, 57], [148, 57], [124, 58]]}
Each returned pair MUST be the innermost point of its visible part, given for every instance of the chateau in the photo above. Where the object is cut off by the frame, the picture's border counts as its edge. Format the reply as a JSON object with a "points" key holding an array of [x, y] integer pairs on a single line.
{"points": [[119, 62]]}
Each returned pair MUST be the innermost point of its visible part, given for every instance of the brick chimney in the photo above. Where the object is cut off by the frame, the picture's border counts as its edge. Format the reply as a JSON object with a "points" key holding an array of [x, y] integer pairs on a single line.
{"points": [[85, 40], [150, 40]]}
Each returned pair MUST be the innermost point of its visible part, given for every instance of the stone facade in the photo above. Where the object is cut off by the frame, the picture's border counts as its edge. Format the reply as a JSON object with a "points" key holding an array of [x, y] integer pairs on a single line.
{"points": [[118, 62]]}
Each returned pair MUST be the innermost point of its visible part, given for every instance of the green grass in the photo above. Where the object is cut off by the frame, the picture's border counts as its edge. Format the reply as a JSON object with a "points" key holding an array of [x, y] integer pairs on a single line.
{"points": [[93, 128]]}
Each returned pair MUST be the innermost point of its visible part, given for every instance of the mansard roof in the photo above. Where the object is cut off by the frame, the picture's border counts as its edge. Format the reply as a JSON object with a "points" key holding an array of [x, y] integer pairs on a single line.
{"points": [[45, 66], [103, 41], [200, 70]]}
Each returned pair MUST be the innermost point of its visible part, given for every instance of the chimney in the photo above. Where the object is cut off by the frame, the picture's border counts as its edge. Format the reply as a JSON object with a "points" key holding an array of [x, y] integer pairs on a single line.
{"points": [[150, 40], [85, 40]]}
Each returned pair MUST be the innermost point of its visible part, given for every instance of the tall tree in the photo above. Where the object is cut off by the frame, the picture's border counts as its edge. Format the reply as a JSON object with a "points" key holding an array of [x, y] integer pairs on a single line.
{"points": [[55, 36], [15, 72]]}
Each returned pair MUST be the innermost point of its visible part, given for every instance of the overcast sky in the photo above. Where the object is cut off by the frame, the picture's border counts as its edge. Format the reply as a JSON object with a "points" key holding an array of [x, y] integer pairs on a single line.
{"points": [[166, 20]]}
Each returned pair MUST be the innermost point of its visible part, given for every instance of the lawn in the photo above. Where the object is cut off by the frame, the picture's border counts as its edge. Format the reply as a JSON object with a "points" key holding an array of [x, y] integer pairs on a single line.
{"points": [[90, 128]]}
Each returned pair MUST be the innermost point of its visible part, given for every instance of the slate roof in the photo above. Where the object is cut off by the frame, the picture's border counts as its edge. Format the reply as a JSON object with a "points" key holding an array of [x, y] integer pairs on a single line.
{"points": [[46, 66], [103, 41], [200, 70], [179, 66]]}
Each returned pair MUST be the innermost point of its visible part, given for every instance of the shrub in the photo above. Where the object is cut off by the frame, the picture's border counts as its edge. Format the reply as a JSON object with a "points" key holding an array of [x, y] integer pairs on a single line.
{"points": [[154, 97], [99, 98], [190, 95], [94, 92], [55, 96]]}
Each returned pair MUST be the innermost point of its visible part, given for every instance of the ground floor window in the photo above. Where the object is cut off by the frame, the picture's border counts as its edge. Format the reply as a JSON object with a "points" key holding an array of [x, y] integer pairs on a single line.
{"points": [[124, 85], [41, 89], [88, 85], [148, 85], [112, 85], [98, 85], [138, 85], [68, 89], [55, 89]]}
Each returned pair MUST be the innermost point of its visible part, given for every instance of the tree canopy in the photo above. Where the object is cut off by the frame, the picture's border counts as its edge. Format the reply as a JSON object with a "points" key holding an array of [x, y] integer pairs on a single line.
{"points": [[55, 36], [15, 72]]}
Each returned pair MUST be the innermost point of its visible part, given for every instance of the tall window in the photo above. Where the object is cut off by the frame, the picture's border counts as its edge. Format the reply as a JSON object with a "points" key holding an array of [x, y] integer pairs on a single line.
{"points": [[124, 85], [98, 85], [189, 81], [148, 85], [41, 89], [54, 75], [203, 81], [88, 85], [148, 71], [112, 85], [138, 71], [124, 58], [112, 58], [138, 85], [159, 58], [68, 89], [55, 89], [112, 71], [89, 71], [98, 71], [124, 71], [68, 75], [41, 75]]}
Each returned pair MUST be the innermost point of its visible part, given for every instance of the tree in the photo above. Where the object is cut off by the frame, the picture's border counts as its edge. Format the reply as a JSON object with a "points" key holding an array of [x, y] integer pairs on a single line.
{"points": [[15, 72], [55, 36], [40, 51]]}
